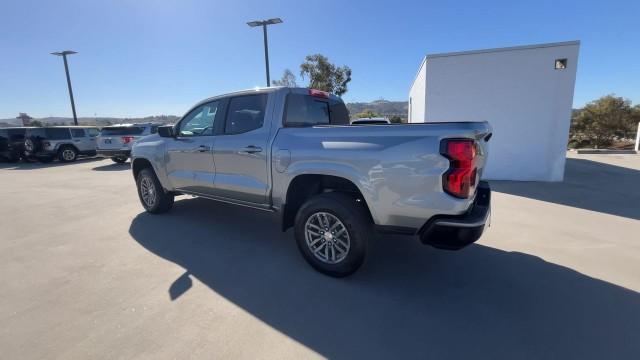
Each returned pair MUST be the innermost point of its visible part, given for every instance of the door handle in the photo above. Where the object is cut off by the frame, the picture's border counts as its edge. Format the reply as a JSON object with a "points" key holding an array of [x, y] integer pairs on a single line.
{"points": [[202, 148], [251, 149]]}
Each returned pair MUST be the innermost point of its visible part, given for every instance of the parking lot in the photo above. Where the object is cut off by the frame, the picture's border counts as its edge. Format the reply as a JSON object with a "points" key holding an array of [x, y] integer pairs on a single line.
{"points": [[86, 273]]}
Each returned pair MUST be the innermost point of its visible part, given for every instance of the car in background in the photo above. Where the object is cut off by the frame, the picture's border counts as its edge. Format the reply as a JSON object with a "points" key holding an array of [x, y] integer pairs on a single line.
{"points": [[371, 121], [64, 142], [12, 143], [115, 141]]}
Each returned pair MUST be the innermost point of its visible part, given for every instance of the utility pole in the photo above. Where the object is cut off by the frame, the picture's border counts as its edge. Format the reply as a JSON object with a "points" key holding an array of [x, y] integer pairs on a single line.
{"points": [[66, 70], [264, 24]]}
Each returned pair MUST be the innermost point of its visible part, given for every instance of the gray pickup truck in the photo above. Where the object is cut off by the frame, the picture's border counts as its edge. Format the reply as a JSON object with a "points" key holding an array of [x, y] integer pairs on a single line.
{"points": [[292, 151]]}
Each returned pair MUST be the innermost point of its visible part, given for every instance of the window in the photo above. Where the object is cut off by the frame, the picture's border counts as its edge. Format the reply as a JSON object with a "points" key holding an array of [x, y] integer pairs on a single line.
{"points": [[93, 132], [77, 133], [199, 122], [561, 64], [57, 133], [16, 134], [36, 133], [245, 113], [304, 110], [121, 130], [154, 129]]}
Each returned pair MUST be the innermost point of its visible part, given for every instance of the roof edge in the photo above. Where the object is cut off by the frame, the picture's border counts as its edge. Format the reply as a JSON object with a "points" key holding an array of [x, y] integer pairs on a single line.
{"points": [[511, 48]]}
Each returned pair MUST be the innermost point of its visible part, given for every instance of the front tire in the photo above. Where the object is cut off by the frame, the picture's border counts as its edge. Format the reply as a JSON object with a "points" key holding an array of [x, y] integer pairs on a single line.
{"points": [[152, 196], [332, 231]]}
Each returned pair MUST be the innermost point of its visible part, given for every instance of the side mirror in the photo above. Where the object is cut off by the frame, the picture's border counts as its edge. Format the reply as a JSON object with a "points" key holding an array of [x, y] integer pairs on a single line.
{"points": [[166, 131]]}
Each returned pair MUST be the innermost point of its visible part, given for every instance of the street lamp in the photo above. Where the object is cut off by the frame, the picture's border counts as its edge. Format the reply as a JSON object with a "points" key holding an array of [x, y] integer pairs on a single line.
{"points": [[264, 24], [66, 70]]}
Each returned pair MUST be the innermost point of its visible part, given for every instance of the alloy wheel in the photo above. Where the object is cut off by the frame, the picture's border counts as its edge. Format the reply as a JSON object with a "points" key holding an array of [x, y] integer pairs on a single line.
{"points": [[148, 191], [327, 237]]}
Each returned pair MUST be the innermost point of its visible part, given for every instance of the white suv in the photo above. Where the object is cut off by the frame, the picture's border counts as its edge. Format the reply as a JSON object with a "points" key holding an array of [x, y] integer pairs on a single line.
{"points": [[115, 141]]}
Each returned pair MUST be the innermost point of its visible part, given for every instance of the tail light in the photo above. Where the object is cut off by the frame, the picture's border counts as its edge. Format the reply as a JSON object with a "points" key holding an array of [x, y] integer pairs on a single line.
{"points": [[127, 139], [460, 179], [319, 93]]}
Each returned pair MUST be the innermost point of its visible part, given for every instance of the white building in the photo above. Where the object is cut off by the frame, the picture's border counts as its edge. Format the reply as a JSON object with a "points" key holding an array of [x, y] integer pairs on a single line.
{"points": [[525, 92]]}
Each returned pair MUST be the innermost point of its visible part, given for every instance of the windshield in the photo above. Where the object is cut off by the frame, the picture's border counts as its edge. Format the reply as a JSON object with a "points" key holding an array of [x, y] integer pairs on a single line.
{"points": [[121, 130]]}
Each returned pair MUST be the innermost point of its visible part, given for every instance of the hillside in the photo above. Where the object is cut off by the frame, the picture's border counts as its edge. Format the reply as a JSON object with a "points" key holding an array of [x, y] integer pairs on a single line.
{"points": [[99, 121]]}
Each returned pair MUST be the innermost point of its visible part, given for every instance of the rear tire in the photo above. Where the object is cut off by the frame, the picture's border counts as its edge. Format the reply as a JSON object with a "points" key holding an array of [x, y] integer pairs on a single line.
{"points": [[151, 193], [119, 160], [67, 154], [338, 246]]}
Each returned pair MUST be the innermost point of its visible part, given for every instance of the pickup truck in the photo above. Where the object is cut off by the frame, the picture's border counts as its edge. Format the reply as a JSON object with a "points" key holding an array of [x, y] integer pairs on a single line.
{"points": [[292, 151]]}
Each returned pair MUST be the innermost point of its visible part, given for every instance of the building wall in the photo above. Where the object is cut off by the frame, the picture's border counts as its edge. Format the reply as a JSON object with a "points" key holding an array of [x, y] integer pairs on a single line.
{"points": [[417, 96], [525, 99]]}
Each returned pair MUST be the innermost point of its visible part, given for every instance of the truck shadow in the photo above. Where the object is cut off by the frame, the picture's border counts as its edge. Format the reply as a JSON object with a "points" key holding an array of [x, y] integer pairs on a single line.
{"points": [[407, 301], [587, 184], [113, 167]]}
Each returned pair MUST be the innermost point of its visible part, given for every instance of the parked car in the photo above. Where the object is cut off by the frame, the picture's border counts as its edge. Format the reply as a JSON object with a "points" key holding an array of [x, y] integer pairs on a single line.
{"points": [[288, 151], [64, 142], [370, 121], [115, 141], [12, 143]]}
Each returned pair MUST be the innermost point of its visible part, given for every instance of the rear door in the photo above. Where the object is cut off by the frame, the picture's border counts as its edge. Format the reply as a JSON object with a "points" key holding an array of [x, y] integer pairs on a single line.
{"points": [[81, 140], [189, 158], [240, 152]]}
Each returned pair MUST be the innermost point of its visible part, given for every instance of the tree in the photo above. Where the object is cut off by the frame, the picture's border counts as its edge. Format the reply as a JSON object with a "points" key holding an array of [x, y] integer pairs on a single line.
{"points": [[602, 121], [288, 79], [324, 75], [367, 113], [26, 119], [36, 123]]}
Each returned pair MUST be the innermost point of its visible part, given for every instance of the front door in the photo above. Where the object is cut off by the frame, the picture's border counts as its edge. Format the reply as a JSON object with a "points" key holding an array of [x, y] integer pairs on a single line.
{"points": [[240, 152], [190, 165]]}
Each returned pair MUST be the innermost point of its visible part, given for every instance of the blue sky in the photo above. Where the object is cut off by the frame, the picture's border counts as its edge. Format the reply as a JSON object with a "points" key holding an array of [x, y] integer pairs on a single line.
{"points": [[140, 57]]}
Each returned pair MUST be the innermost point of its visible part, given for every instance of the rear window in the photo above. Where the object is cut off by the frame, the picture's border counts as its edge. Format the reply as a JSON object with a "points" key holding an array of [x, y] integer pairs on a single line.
{"points": [[49, 133], [15, 132], [305, 110], [77, 133], [57, 133], [245, 113], [38, 132], [122, 130]]}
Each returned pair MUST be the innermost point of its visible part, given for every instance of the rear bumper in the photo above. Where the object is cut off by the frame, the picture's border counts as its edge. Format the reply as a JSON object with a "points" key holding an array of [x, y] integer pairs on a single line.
{"points": [[114, 153], [453, 232]]}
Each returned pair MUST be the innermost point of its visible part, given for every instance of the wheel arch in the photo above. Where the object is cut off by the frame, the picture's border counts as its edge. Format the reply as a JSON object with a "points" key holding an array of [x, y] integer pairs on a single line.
{"points": [[67, 145], [304, 186]]}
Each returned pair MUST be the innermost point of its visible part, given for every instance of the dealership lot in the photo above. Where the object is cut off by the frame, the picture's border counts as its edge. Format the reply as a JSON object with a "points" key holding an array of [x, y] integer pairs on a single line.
{"points": [[86, 273]]}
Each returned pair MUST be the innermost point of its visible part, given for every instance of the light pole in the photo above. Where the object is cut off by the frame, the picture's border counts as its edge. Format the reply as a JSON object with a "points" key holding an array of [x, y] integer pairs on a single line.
{"points": [[264, 24], [66, 70]]}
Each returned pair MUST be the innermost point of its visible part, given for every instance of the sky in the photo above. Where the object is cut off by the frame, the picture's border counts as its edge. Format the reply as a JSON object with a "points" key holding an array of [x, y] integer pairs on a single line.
{"points": [[140, 57]]}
